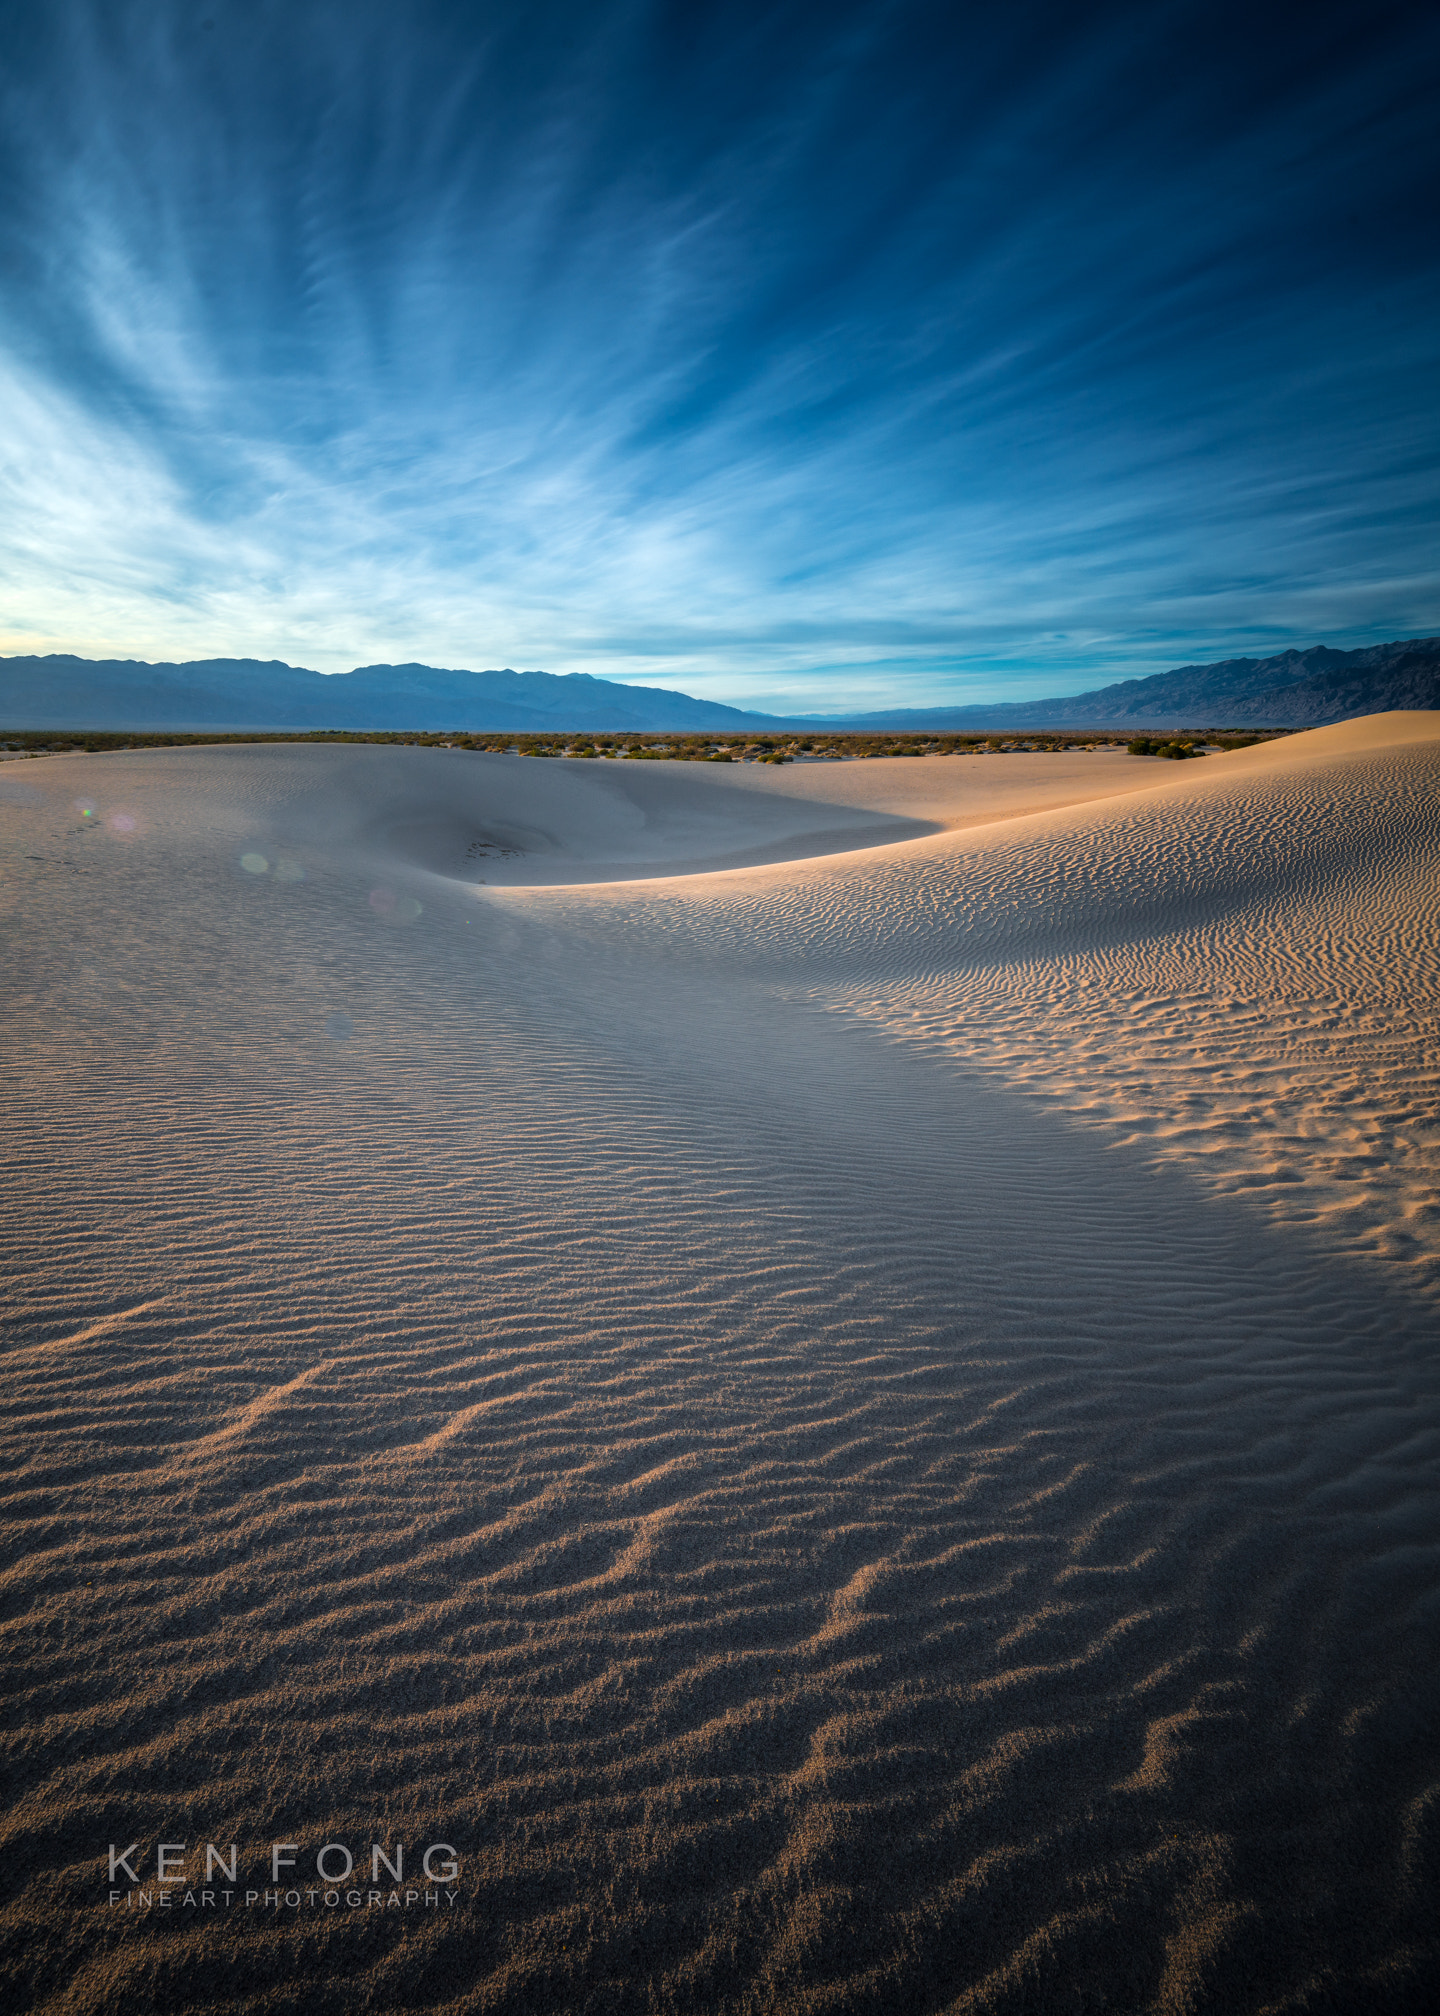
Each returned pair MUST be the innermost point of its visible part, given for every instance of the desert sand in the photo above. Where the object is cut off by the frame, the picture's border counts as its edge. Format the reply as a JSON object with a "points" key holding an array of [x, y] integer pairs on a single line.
{"points": [[828, 1374]]}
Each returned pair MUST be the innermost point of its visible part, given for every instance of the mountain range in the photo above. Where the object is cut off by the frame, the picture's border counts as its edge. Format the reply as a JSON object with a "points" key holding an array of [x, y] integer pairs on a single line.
{"points": [[241, 693], [1295, 689]]}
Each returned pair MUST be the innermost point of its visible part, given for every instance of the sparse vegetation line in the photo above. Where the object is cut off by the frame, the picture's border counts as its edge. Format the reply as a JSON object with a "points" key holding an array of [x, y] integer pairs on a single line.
{"points": [[697, 748]]}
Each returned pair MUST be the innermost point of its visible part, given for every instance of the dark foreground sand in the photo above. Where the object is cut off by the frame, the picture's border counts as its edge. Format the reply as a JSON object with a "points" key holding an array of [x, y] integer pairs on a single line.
{"points": [[854, 1434]]}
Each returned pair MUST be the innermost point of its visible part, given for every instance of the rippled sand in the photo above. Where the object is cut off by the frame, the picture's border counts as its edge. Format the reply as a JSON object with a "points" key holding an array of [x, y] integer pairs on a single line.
{"points": [[831, 1373]]}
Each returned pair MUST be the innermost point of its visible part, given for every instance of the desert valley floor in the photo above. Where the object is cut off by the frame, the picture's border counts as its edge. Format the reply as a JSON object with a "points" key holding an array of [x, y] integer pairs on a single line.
{"points": [[830, 1374]]}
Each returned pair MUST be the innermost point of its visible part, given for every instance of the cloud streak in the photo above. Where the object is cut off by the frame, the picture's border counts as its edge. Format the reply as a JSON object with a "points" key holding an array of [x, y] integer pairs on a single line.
{"points": [[880, 353]]}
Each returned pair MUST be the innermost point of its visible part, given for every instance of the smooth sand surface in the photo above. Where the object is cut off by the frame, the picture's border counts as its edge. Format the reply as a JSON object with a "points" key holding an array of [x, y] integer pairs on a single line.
{"points": [[829, 1372]]}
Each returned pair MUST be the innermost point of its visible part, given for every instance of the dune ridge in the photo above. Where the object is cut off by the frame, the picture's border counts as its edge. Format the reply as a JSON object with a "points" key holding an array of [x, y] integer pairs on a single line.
{"points": [[1236, 967], [631, 1380]]}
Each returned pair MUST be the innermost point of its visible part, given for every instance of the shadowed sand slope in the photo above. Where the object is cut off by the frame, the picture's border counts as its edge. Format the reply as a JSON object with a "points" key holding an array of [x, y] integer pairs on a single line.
{"points": [[758, 1406], [527, 821]]}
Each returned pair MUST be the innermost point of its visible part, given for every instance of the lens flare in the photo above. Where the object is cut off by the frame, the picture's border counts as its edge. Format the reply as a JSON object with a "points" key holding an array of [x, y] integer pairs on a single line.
{"points": [[383, 901], [254, 864]]}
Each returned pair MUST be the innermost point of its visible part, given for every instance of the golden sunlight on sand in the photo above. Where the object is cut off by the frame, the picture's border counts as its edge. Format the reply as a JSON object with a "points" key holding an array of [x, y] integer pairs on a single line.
{"points": [[825, 1375]]}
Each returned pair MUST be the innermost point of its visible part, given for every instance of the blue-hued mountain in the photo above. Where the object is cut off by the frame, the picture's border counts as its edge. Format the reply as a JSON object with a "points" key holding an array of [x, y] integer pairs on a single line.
{"points": [[1296, 689], [241, 693]]}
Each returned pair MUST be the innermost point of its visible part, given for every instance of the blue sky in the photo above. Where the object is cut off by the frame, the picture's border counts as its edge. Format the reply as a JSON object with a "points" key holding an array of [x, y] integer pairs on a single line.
{"points": [[810, 355]]}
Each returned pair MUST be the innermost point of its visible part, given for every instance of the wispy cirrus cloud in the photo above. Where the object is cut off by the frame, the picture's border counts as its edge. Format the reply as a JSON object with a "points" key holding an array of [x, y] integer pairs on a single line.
{"points": [[818, 355]]}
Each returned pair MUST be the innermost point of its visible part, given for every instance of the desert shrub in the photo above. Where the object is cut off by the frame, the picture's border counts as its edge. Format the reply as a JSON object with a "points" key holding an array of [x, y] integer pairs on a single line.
{"points": [[1154, 745]]}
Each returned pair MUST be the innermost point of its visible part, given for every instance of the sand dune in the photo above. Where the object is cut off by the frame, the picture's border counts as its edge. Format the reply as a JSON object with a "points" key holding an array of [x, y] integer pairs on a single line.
{"points": [[827, 1372], [508, 821]]}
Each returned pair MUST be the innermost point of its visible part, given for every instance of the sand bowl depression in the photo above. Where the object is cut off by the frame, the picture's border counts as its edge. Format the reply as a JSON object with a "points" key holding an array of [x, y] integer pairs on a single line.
{"points": [[826, 1374]]}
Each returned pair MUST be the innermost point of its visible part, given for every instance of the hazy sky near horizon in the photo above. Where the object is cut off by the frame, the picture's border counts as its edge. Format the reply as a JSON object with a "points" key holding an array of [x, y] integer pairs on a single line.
{"points": [[840, 354]]}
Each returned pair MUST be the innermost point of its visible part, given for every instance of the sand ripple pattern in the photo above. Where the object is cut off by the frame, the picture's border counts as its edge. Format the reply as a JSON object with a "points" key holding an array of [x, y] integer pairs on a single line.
{"points": [[647, 1397]]}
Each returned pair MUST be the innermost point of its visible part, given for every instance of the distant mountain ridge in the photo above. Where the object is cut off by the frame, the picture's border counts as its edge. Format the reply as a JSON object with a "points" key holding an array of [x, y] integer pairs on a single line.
{"points": [[1294, 689], [241, 693]]}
